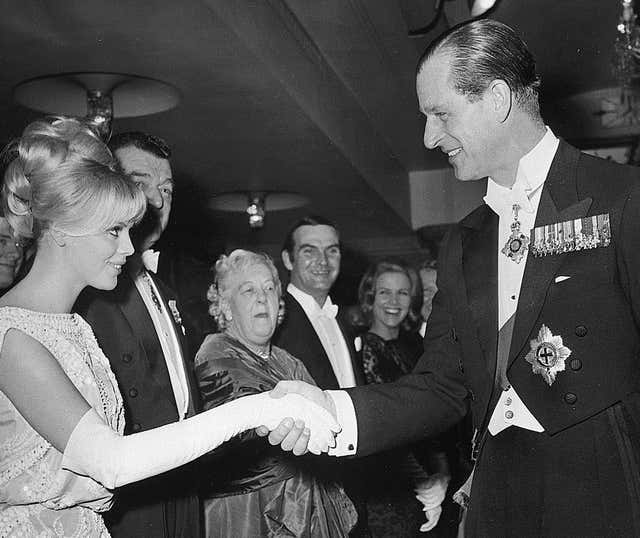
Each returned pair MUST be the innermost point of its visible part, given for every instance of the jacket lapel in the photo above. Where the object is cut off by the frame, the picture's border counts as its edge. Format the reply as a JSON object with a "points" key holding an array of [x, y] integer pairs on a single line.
{"points": [[165, 296], [135, 311], [480, 236], [558, 203], [356, 364], [314, 357]]}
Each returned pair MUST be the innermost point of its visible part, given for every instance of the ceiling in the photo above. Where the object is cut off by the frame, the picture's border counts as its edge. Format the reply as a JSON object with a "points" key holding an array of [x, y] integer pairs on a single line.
{"points": [[310, 96]]}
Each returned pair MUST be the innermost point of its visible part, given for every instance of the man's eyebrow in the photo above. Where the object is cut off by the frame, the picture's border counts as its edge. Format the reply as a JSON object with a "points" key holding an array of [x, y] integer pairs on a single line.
{"points": [[139, 174], [309, 245], [135, 173]]}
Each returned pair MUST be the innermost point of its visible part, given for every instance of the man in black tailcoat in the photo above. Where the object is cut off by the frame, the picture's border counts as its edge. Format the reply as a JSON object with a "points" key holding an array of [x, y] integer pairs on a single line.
{"points": [[535, 326], [314, 331]]}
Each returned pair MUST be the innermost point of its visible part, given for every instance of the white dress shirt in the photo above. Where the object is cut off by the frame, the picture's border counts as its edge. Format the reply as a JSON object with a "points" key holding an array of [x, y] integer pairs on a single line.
{"points": [[150, 260], [323, 320], [526, 191], [168, 339]]}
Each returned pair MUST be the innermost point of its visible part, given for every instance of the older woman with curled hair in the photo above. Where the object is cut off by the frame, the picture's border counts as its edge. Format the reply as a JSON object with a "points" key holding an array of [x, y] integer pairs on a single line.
{"points": [[260, 490]]}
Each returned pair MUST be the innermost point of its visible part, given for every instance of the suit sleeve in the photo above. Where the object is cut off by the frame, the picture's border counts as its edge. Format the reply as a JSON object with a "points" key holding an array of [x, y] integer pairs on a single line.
{"points": [[430, 399]]}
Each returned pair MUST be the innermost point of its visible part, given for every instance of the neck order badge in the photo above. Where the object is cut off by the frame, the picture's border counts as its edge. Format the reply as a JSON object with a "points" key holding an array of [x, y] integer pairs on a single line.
{"points": [[517, 243]]}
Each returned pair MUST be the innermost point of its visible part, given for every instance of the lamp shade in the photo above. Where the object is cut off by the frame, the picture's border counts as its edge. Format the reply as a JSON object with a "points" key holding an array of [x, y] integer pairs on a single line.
{"points": [[66, 93]]}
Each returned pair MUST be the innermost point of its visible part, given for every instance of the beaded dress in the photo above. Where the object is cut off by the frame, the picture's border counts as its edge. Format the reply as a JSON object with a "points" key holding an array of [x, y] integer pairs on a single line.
{"points": [[37, 497]]}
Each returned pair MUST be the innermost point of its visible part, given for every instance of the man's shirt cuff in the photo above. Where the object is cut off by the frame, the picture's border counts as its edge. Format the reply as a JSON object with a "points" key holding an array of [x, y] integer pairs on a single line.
{"points": [[347, 439]]}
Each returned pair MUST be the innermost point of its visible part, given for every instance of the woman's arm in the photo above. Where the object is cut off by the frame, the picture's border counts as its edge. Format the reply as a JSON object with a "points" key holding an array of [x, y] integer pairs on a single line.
{"points": [[40, 390]]}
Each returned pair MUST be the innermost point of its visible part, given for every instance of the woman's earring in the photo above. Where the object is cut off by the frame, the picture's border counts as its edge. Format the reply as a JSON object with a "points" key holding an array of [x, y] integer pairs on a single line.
{"points": [[58, 237]]}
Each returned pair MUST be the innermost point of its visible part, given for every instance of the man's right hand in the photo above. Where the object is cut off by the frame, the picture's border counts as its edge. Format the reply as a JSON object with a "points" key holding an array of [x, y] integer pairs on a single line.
{"points": [[290, 435]]}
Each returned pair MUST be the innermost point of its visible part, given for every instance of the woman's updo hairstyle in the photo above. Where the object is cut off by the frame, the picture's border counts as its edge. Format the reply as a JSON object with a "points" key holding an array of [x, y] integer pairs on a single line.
{"points": [[234, 264], [60, 174]]}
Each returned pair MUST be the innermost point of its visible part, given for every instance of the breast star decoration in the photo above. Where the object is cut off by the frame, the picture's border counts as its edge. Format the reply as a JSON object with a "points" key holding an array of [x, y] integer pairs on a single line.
{"points": [[548, 355]]}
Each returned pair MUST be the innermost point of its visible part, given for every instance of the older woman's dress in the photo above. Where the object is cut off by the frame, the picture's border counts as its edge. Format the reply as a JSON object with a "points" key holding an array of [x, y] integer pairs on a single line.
{"points": [[37, 497], [255, 489]]}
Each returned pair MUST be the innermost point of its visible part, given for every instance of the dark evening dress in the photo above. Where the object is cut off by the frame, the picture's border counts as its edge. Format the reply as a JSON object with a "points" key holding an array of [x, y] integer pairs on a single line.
{"points": [[393, 508], [252, 488], [391, 503]]}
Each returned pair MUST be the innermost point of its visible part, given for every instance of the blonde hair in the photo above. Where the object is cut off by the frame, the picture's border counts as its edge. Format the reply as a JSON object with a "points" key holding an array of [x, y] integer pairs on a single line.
{"points": [[62, 175]]}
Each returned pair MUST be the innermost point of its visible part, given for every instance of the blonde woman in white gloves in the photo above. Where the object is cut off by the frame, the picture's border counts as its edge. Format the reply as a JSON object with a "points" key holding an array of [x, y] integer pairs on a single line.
{"points": [[61, 416]]}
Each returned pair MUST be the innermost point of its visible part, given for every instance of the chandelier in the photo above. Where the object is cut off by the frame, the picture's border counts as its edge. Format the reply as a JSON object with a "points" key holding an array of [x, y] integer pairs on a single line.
{"points": [[627, 46]]}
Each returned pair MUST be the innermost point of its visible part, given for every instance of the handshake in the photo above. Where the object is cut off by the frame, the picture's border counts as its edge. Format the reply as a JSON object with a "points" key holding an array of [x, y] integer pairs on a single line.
{"points": [[300, 418]]}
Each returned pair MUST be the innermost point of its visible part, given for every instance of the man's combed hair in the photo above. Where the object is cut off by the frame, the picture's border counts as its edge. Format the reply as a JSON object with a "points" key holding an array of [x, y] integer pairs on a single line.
{"points": [[143, 141], [484, 50], [311, 220]]}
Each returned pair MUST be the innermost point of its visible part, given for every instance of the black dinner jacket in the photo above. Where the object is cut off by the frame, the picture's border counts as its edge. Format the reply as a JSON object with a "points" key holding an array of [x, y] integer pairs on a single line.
{"points": [[596, 311], [166, 505], [297, 336]]}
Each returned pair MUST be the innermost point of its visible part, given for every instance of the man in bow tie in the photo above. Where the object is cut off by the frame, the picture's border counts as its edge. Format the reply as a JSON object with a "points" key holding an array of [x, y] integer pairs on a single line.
{"points": [[139, 329], [536, 323], [313, 330]]}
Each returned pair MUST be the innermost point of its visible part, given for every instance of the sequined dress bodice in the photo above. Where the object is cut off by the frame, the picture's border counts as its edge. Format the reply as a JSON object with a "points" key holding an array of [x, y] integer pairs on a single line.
{"points": [[37, 497]]}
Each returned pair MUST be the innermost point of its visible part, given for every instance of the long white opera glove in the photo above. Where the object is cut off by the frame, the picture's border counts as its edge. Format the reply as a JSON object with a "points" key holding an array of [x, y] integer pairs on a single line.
{"points": [[95, 450]]}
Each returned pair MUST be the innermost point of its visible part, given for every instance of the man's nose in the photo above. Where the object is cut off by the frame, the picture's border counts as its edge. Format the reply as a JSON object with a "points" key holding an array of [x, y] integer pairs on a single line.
{"points": [[432, 134], [154, 197]]}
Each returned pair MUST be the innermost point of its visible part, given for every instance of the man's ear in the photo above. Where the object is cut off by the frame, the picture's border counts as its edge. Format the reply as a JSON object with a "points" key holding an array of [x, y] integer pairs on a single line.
{"points": [[286, 260], [501, 98]]}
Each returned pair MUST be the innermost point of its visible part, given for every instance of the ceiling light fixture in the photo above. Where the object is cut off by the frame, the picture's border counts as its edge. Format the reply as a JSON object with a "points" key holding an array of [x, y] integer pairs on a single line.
{"points": [[99, 97], [256, 212], [256, 204]]}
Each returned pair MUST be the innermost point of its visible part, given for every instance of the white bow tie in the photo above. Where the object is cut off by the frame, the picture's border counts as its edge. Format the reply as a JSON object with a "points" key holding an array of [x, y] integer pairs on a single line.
{"points": [[150, 260], [501, 201], [329, 311]]}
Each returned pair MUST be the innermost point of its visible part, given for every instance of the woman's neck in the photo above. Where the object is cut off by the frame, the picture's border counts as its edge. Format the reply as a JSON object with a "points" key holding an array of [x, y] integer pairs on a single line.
{"points": [[383, 331], [45, 288], [263, 350]]}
